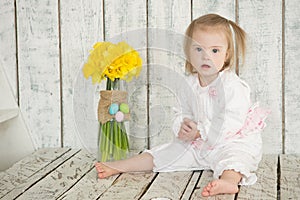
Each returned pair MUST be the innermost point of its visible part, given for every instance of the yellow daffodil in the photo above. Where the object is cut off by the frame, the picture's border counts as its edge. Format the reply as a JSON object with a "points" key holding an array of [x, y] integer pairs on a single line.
{"points": [[108, 60]]}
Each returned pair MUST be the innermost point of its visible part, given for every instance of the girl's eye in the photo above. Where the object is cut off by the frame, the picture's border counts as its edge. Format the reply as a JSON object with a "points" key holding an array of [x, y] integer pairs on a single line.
{"points": [[198, 49], [215, 50]]}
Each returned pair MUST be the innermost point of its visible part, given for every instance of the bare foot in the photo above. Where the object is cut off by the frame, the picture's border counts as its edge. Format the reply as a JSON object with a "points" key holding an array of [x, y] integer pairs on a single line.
{"points": [[104, 170], [219, 187]]}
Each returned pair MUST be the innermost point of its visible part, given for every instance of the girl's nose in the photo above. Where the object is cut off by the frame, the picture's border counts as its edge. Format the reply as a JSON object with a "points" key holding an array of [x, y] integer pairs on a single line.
{"points": [[205, 55]]}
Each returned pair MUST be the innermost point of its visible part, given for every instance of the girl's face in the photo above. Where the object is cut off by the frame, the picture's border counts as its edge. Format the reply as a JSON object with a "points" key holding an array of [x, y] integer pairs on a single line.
{"points": [[208, 53]]}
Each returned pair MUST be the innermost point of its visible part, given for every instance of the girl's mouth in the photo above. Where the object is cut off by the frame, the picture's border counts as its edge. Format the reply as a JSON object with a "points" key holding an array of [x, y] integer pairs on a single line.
{"points": [[205, 66]]}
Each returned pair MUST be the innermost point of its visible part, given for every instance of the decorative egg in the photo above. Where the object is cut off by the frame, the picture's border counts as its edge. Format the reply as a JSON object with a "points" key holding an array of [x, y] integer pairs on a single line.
{"points": [[113, 108], [119, 116], [124, 108]]}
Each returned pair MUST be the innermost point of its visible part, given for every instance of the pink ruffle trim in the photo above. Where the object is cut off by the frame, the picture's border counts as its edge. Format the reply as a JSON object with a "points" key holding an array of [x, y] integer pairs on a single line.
{"points": [[255, 121]]}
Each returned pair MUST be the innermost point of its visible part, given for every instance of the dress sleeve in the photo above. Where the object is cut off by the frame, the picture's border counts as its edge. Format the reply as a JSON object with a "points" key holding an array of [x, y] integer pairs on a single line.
{"points": [[237, 104], [229, 113], [184, 109]]}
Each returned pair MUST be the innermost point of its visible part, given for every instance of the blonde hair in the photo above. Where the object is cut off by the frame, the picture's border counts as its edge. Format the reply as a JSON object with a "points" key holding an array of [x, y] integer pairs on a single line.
{"points": [[216, 22]]}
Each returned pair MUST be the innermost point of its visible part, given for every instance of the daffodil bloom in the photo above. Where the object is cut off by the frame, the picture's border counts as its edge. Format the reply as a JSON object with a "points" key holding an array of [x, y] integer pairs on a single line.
{"points": [[108, 60]]}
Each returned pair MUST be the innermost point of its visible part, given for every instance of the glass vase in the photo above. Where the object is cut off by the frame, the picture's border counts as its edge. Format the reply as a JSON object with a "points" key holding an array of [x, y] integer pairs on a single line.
{"points": [[113, 143]]}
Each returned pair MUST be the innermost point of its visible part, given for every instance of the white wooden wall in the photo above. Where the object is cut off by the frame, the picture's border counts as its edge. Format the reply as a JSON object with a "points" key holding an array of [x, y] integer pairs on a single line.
{"points": [[43, 45]]}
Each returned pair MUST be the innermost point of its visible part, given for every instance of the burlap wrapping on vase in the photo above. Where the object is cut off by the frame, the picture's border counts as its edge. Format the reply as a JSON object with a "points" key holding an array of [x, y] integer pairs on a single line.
{"points": [[107, 97]]}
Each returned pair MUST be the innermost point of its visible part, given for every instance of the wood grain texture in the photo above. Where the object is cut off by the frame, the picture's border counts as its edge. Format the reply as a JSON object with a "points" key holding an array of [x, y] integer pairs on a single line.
{"points": [[27, 167], [62, 178], [168, 21], [191, 185], [205, 178], [266, 185], [89, 187], [289, 176], [39, 174], [63, 173], [8, 43], [135, 184], [169, 185], [292, 76], [81, 26], [127, 20], [224, 8], [263, 69], [38, 58]]}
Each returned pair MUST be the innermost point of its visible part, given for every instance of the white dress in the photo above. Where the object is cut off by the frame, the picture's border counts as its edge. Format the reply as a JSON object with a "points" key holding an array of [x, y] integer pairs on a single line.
{"points": [[230, 130]]}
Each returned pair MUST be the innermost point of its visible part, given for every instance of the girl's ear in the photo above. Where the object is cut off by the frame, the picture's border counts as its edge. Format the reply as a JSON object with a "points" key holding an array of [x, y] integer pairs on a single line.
{"points": [[227, 54]]}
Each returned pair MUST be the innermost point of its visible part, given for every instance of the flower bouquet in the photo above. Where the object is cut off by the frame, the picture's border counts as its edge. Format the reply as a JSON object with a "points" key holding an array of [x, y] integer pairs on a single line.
{"points": [[113, 62]]}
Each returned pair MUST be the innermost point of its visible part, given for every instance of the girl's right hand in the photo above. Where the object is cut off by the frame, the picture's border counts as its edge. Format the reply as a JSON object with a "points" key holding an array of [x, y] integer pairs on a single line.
{"points": [[188, 130]]}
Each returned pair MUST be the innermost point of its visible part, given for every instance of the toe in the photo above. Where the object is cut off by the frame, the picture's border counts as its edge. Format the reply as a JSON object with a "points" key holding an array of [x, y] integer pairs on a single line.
{"points": [[99, 169], [214, 183], [205, 193], [206, 190], [101, 175]]}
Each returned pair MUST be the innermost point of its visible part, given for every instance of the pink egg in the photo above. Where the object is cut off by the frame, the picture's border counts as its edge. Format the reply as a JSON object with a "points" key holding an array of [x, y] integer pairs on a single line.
{"points": [[119, 116]]}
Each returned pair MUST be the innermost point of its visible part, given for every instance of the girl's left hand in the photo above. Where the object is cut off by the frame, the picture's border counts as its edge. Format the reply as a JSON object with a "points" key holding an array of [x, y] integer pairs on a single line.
{"points": [[188, 130]]}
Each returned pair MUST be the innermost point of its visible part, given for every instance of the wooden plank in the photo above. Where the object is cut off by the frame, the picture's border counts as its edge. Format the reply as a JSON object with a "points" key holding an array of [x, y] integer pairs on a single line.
{"points": [[266, 185], [38, 59], [40, 174], [62, 178], [263, 66], [206, 177], [81, 26], [27, 167], [168, 185], [291, 76], [89, 187], [224, 8], [8, 43], [129, 186], [289, 176], [168, 21], [127, 21], [191, 185]]}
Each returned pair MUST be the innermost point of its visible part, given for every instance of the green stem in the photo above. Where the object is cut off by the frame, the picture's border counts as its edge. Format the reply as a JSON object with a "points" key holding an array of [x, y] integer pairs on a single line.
{"points": [[116, 84], [102, 148], [99, 142], [125, 136], [105, 151], [108, 84], [119, 140], [111, 136]]}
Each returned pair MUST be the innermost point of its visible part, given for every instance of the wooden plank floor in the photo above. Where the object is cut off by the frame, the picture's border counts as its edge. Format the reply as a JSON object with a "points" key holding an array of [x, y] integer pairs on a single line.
{"points": [[63, 173]]}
